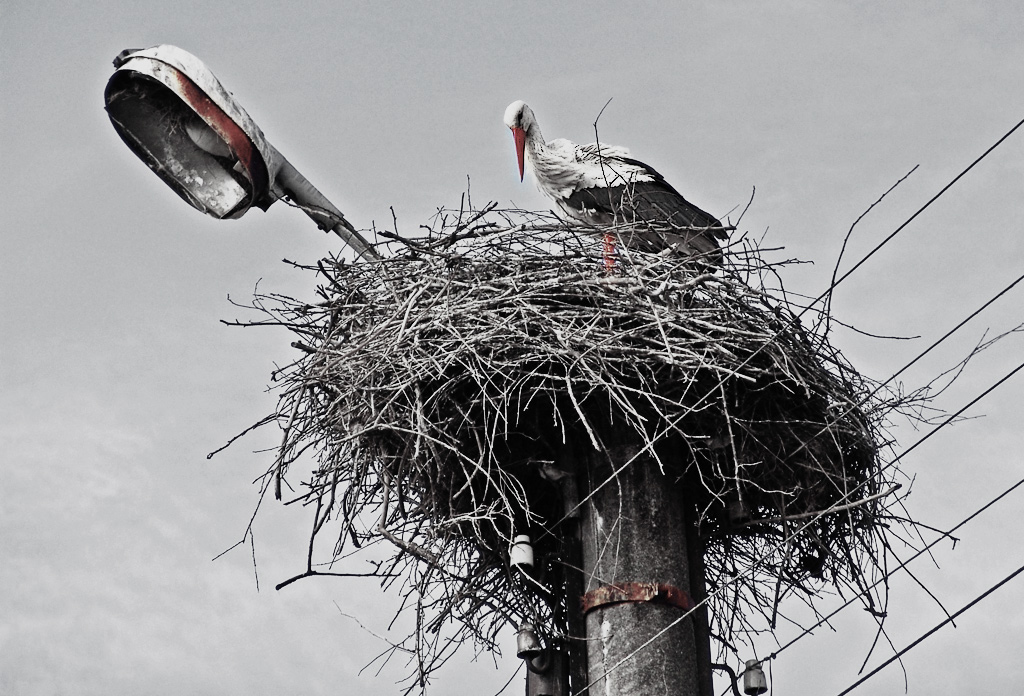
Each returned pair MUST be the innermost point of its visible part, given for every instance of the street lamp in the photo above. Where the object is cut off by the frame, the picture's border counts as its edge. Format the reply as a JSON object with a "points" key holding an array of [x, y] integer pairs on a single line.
{"points": [[173, 112]]}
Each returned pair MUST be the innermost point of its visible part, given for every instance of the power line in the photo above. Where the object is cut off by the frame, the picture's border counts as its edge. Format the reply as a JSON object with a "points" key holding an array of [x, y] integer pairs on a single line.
{"points": [[945, 423], [956, 415], [949, 619], [903, 564], [835, 282], [910, 364], [949, 420], [922, 209], [832, 286]]}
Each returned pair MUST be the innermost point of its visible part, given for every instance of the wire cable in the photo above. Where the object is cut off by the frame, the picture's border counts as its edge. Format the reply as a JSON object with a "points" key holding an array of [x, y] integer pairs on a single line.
{"points": [[922, 209], [832, 286], [811, 521], [958, 413], [907, 451], [917, 642], [903, 564], [914, 361]]}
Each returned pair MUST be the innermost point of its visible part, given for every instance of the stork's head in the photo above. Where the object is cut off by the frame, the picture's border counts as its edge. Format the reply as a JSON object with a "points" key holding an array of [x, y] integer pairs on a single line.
{"points": [[519, 117]]}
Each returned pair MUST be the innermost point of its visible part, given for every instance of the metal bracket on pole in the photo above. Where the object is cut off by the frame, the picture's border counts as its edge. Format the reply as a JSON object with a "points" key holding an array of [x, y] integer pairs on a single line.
{"points": [[623, 592]]}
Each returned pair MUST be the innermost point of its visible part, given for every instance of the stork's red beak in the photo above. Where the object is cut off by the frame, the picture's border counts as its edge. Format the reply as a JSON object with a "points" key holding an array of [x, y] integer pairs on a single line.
{"points": [[520, 137]]}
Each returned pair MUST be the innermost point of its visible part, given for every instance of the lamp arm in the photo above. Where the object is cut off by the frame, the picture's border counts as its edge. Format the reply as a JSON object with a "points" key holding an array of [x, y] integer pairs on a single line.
{"points": [[295, 186]]}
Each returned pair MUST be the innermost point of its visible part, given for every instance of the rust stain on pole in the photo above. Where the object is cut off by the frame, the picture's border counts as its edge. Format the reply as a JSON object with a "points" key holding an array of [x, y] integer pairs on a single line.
{"points": [[637, 592]]}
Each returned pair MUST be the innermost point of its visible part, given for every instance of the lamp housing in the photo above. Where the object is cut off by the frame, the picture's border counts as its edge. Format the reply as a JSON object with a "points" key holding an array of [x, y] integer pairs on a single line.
{"points": [[175, 115]]}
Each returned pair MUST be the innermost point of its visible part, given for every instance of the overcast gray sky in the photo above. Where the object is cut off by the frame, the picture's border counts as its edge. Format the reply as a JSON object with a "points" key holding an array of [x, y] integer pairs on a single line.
{"points": [[117, 377]]}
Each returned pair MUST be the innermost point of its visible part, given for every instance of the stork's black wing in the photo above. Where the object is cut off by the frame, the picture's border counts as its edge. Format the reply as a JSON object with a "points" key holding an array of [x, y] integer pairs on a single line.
{"points": [[654, 201]]}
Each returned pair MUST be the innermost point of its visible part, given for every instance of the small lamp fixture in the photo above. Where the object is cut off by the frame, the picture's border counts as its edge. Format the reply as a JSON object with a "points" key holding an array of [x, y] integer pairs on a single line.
{"points": [[754, 681], [528, 644], [520, 555]]}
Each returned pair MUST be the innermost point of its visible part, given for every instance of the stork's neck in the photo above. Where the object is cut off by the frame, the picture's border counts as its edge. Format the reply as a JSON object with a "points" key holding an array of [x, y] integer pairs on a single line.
{"points": [[538, 151], [535, 144], [534, 135]]}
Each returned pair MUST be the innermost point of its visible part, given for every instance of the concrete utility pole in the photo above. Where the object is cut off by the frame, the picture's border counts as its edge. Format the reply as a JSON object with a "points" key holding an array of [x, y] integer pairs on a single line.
{"points": [[642, 569]]}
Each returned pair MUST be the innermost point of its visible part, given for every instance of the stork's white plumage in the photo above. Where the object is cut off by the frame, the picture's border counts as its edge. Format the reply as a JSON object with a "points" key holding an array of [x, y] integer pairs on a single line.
{"points": [[601, 184]]}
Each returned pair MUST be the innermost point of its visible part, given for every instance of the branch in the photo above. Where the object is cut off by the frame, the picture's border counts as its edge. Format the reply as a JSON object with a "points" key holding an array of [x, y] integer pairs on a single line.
{"points": [[314, 573], [828, 511]]}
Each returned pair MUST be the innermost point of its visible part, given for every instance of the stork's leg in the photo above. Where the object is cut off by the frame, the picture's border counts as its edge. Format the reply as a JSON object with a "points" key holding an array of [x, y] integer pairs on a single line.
{"points": [[609, 251]]}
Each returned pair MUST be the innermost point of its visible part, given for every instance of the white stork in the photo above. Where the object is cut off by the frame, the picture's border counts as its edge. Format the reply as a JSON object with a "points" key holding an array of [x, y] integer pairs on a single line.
{"points": [[601, 184]]}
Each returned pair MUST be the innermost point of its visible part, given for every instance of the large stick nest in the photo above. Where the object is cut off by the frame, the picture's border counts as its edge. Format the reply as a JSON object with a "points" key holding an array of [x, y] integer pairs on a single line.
{"points": [[437, 389]]}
